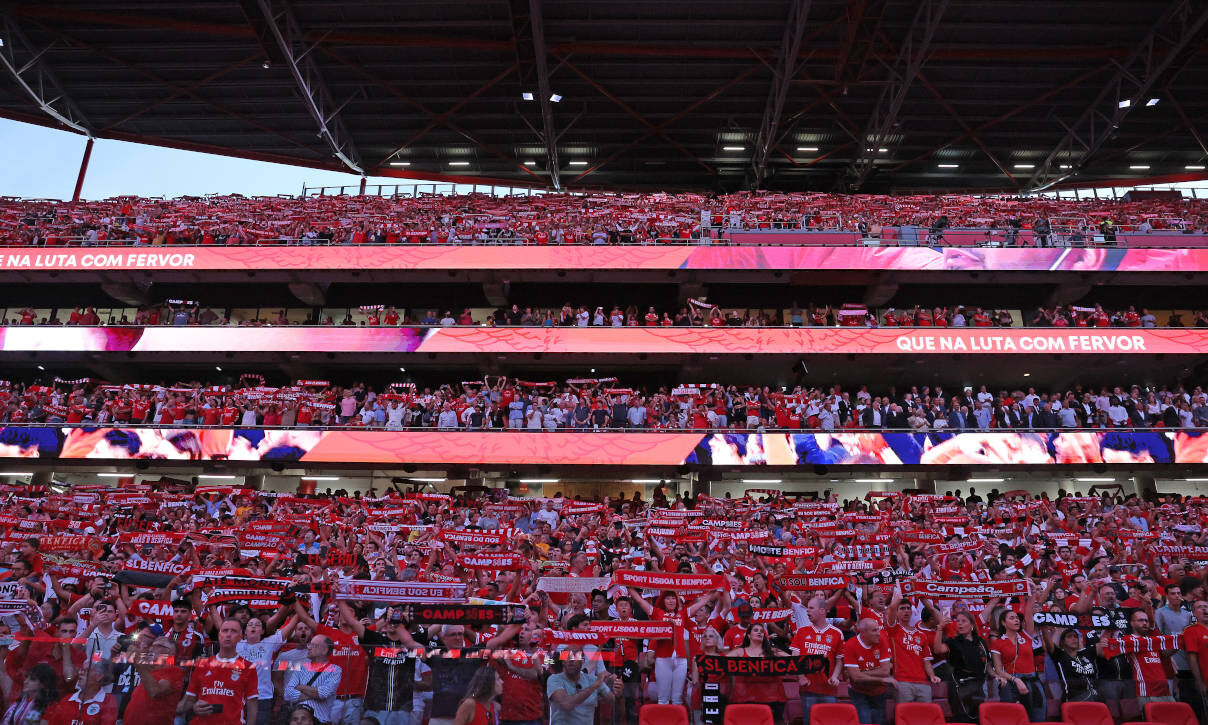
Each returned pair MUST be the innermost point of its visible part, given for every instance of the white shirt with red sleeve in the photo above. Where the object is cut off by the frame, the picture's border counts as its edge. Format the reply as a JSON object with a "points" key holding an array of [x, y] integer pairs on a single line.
{"points": [[227, 682]]}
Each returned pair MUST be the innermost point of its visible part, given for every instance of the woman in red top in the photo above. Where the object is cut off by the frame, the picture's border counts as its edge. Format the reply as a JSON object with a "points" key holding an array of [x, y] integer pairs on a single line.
{"points": [[479, 708], [1014, 666], [765, 690]]}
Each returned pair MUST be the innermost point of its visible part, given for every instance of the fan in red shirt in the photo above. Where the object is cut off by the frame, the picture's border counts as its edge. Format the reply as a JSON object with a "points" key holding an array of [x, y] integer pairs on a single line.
{"points": [[153, 701], [222, 689], [1152, 670], [911, 652], [1195, 641], [91, 704], [1014, 664], [867, 662], [819, 637]]}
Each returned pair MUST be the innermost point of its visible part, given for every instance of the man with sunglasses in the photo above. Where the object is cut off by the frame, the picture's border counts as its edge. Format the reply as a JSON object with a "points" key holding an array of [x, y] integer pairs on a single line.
{"points": [[161, 681]]}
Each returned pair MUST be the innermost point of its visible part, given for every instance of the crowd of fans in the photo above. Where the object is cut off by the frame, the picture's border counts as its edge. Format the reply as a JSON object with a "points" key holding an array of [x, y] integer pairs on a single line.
{"points": [[157, 603], [501, 403], [565, 218], [695, 314]]}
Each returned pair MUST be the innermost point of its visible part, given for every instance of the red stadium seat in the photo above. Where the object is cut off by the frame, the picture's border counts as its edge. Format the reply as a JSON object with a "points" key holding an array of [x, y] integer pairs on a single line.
{"points": [[835, 713], [1092, 713], [1086, 713], [1170, 713], [919, 713], [749, 714], [1005, 713], [655, 714]]}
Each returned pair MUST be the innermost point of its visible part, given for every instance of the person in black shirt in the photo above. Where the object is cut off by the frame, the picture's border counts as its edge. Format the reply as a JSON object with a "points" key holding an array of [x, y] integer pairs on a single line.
{"points": [[1075, 664], [390, 686], [969, 662], [1115, 673]]}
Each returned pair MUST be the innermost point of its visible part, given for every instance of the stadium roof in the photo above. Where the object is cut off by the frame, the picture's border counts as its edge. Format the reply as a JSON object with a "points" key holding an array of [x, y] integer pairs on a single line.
{"points": [[875, 95]]}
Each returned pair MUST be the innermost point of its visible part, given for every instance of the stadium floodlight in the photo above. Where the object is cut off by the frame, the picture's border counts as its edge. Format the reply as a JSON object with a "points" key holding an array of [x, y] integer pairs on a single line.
{"points": [[400, 163], [1063, 166], [1139, 166], [807, 148], [1194, 167], [1152, 102], [1125, 103], [428, 480], [949, 166], [527, 95], [459, 163], [530, 163], [539, 480], [732, 148], [555, 98], [761, 480], [873, 480], [218, 368], [1025, 166], [402, 369], [984, 480], [217, 477], [578, 163], [40, 367], [1095, 480]]}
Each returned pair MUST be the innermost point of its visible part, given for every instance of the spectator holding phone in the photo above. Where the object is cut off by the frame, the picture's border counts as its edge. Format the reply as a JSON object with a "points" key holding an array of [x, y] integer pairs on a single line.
{"points": [[575, 694], [223, 689], [161, 682]]}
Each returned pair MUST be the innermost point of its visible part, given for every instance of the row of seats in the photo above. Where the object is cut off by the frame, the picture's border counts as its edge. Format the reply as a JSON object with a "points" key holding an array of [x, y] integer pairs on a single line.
{"points": [[927, 713]]}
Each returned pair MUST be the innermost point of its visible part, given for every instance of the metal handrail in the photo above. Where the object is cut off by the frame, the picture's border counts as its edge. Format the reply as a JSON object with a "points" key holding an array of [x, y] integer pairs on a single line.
{"points": [[702, 431], [858, 240], [168, 323]]}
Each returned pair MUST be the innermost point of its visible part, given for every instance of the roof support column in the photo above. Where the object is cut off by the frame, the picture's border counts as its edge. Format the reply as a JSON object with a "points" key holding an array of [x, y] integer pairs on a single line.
{"points": [[786, 69], [79, 185], [541, 63], [292, 44], [912, 53], [1153, 63]]}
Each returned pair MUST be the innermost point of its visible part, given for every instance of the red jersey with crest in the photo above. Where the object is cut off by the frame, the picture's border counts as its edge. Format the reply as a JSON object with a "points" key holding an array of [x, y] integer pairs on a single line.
{"points": [[230, 683], [910, 648], [826, 642], [1149, 668], [857, 655], [98, 710]]}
